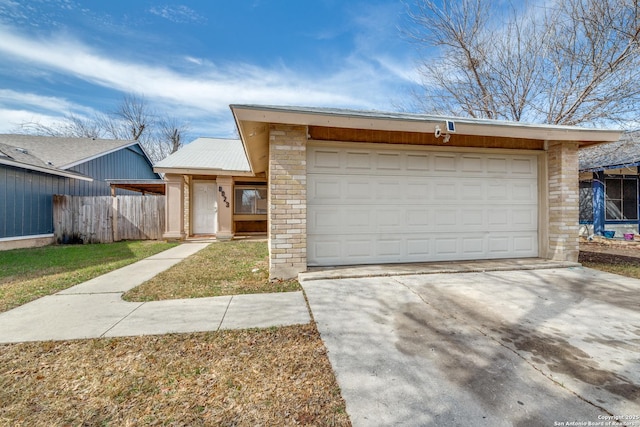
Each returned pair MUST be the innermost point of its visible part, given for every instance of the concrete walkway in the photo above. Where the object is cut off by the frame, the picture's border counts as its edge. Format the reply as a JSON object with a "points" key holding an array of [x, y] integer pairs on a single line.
{"points": [[95, 308]]}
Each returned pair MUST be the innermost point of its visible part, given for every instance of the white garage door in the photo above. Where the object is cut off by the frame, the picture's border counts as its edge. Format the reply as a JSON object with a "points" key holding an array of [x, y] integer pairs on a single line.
{"points": [[368, 206]]}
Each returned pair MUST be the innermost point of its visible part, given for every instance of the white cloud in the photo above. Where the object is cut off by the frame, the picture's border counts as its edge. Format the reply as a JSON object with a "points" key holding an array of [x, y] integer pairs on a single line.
{"points": [[179, 14], [45, 103], [18, 108], [359, 82], [11, 119]]}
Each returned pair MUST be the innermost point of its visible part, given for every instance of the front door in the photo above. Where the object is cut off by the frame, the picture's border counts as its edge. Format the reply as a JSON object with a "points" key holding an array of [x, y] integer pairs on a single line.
{"points": [[205, 208]]}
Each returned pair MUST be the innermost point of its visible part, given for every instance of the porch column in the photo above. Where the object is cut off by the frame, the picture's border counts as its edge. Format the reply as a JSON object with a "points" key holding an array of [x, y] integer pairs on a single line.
{"points": [[287, 201], [564, 207], [224, 189], [598, 203], [174, 208]]}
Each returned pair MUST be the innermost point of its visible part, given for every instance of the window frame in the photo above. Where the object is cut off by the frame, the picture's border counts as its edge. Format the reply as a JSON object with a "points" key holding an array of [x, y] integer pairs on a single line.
{"points": [[620, 203], [585, 196], [254, 209]]}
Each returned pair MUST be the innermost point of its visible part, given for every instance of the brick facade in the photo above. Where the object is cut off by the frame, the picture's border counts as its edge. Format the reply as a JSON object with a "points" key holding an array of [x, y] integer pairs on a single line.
{"points": [[563, 200], [287, 201]]}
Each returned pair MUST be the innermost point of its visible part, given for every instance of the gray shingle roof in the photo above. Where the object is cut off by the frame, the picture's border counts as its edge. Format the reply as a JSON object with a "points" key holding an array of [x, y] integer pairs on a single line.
{"points": [[623, 153], [208, 153], [55, 152]]}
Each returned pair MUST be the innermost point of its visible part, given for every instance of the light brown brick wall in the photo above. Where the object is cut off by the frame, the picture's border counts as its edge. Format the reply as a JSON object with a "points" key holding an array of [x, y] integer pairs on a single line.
{"points": [[287, 201], [563, 200]]}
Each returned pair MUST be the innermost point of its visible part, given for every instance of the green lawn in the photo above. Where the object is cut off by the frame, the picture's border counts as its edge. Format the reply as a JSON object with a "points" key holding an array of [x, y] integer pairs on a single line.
{"points": [[28, 274], [222, 268]]}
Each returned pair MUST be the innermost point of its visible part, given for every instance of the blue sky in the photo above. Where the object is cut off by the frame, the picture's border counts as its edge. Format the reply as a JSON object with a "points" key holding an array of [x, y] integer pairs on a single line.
{"points": [[193, 58]]}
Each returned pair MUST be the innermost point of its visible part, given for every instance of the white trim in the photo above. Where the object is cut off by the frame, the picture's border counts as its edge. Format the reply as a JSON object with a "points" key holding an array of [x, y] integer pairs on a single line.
{"points": [[36, 236], [352, 119], [49, 171], [201, 171], [416, 147]]}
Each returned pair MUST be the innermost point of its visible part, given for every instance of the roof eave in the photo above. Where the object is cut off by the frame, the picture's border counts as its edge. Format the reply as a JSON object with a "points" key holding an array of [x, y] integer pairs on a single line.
{"points": [[609, 167], [422, 124], [49, 171], [201, 171]]}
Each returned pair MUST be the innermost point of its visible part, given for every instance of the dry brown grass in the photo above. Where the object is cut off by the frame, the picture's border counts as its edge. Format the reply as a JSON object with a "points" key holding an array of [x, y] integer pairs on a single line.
{"points": [[222, 268], [277, 376]]}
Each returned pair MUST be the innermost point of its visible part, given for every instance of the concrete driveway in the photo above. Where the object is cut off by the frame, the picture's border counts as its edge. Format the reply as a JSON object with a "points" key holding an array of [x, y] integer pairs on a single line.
{"points": [[537, 347]]}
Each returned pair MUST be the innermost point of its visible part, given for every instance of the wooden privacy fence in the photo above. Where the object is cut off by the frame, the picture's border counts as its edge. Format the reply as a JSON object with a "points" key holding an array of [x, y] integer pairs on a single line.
{"points": [[104, 219]]}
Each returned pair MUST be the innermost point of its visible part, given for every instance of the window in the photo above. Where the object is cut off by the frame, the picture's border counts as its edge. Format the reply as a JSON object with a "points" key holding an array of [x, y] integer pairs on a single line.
{"points": [[621, 198], [586, 202], [250, 200]]}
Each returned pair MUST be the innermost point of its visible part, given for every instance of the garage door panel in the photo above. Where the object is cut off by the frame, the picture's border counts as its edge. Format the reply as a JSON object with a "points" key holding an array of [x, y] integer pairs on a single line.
{"points": [[473, 218], [473, 246], [446, 190], [329, 250], [497, 190], [472, 163], [390, 190], [444, 163], [358, 160], [390, 218], [435, 247], [357, 219], [358, 190], [525, 245], [390, 248], [524, 166], [417, 162], [411, 206], [417, 190], [497, 165], [325, 220], [418, 248], [324, 188], [523, 191], [446, 218], [389, 161], [498, 218], [472, 191], [359, 247], [525, 219], [418, 218], [325, 160]]}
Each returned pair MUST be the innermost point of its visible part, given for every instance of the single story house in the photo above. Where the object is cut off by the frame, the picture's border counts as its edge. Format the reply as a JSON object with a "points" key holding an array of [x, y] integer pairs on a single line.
{"points": [[350, 187], [34, 168], [218, 194], [609, 176]]}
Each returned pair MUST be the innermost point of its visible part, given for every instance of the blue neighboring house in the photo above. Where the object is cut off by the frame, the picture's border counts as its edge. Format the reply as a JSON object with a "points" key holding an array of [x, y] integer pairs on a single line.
{"points": [[34, 168], [609, 185]]}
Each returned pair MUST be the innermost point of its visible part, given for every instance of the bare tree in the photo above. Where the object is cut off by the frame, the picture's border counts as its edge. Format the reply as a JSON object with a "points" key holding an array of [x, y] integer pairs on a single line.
{"points": [[71, 126], [172, 134], [565, 62], [133, 119]]}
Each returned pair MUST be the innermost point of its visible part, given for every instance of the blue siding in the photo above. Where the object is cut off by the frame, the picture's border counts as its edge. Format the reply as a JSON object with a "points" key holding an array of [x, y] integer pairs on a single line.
{"points": [[26, 202], [598, 203], [128, 163]]}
